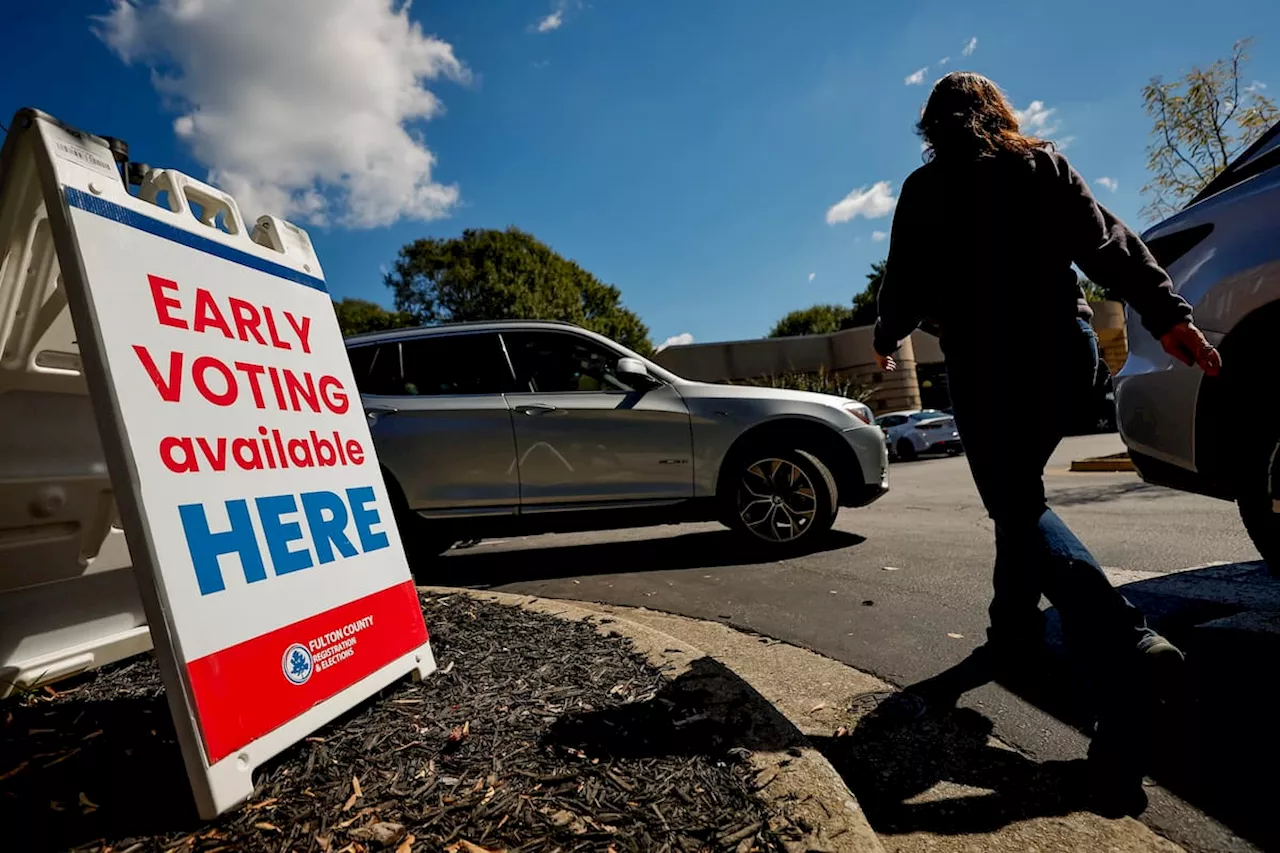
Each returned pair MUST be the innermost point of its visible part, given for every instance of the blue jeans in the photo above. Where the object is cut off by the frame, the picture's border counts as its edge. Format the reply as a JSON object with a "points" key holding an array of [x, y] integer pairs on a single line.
{"points": [[1011, 415]]}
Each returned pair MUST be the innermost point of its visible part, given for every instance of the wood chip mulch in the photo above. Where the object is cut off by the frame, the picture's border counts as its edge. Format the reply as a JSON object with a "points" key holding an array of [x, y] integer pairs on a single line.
{"points": [[535, 734]]}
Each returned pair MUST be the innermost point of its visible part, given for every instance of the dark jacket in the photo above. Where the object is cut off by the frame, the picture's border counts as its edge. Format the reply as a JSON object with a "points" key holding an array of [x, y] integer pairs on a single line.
{"points": [[985, 248]]}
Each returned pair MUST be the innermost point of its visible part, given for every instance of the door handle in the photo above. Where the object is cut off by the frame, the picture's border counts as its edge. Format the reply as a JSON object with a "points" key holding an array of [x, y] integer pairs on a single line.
{"points": [[536, 409], [376, 413]]}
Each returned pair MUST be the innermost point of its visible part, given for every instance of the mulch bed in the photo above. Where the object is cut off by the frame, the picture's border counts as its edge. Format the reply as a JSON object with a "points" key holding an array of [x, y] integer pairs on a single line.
{"points": [[535, 734]]}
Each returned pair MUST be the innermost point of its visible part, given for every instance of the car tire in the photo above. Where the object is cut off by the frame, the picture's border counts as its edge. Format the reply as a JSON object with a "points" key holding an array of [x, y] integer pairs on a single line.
{"points": [[906, 451], [423, 541], [1259, 498], [783, 500]]}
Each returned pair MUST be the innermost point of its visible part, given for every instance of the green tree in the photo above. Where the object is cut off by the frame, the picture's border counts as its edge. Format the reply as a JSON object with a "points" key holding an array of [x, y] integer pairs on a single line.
{"points": [[487, 274], [1200, 122], [864, 302], [1093, 291], [816, 320], [356, 316]]}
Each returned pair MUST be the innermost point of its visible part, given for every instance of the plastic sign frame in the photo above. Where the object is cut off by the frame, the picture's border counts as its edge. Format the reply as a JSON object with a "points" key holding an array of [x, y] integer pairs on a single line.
{"points": [[263, 543]]}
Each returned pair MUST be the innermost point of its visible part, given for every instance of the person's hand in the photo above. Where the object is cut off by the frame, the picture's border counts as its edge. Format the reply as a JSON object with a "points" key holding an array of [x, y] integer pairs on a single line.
{"points": [[886, 363], [1187, 344]]}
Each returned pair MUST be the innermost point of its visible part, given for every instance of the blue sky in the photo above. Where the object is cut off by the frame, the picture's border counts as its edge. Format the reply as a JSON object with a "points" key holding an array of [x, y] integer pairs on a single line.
{"points": [[688, 151]]}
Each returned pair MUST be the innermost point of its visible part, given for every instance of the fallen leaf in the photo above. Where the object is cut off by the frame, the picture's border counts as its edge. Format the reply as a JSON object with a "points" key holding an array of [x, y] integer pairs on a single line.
{"points": [[269, 827], [816, 708], [406, 846], [841, 732], [464, 846], [85, 801], [356, 817], [14, 772], [355, 794], [262, 805], [460, 733], [955, 636], [892, 569], [384, 833]]}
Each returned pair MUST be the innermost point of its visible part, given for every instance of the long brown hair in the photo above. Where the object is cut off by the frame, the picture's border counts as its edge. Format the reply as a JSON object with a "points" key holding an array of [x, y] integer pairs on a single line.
{"points": [[968, 117]]}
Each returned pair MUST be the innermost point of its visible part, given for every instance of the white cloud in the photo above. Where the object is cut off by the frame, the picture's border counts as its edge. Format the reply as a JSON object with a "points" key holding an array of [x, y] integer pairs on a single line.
{"points": [[1255, 87], [871, 203], [970, 47], [556, 18], [917, 77], [812, 276], [304, 110], [681, 340], [551, 22], [944, 60], [1110, 183], [879, 236], [1036, 119]]}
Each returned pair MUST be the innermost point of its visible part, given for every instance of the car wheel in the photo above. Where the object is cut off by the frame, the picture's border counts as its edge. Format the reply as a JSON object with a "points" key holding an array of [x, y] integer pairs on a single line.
{"points": [[1259, 502], [781, 499], [423, 541], [906, 451]]}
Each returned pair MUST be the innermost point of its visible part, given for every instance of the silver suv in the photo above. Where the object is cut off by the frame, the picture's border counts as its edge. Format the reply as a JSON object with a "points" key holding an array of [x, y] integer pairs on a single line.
{"points": [[1183, 429], [500, 429]]}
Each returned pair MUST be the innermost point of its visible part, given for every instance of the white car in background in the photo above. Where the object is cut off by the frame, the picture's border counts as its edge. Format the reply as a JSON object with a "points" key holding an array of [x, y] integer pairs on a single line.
{"points": [[910, 434]]}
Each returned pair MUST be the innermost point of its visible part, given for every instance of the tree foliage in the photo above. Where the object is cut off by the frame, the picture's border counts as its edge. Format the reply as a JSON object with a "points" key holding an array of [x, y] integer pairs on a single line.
{"points": [[815, 320], [487, 274], [357, 316], [864, 302], [825, 319], [1093, 291], [1200, 123]]}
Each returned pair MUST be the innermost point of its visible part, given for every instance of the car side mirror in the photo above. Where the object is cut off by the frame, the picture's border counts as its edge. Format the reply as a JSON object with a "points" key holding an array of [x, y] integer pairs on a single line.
{"points": [[633, 369]]}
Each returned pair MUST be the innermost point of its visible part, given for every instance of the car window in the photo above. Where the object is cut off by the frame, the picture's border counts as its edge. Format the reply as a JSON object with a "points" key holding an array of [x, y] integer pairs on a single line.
{"points": [[383, 375], [893, 421], [361, 359], [454, 365], [926, 414], [556, 362]]}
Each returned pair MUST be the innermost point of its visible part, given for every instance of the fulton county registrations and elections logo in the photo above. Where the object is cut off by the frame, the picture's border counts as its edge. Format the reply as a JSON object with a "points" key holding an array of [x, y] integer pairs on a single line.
{"points": [[296, 664]]}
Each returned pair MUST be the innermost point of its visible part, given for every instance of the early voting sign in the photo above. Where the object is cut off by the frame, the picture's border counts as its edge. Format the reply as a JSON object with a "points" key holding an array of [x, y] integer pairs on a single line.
{"points": [[275, 583]]}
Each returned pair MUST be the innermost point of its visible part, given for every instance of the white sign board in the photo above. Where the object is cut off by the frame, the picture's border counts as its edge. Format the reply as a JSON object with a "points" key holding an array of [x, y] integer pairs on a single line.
{"points": [[276, 586]]}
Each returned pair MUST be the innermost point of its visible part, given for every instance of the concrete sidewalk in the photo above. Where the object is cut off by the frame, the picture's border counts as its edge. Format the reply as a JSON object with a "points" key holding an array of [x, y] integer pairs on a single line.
{"points": [[936, 785]]}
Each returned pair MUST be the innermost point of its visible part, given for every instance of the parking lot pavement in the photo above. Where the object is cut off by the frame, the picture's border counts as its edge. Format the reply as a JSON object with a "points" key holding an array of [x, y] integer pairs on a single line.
{"points": [[902, 591]]}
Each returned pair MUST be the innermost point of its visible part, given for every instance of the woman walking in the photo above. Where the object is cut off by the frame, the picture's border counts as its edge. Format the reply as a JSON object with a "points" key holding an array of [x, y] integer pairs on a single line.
{"points": [[983, 240]]}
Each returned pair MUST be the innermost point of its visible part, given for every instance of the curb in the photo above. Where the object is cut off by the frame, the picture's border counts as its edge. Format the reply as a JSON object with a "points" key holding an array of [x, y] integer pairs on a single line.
{"points": [[796, 781], [1113, 462]]}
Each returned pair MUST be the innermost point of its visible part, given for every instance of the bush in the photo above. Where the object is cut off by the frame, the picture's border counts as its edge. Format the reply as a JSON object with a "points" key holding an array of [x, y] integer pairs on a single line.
{"points": [[822, 381]]}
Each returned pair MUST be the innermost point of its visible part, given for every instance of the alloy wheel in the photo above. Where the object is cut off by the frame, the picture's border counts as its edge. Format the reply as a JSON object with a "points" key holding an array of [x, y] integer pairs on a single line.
{"points": [[777, 501]]}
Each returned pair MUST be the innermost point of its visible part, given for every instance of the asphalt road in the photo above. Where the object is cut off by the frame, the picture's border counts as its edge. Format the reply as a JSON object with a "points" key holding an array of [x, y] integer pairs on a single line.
{"points": [[903, 590]]}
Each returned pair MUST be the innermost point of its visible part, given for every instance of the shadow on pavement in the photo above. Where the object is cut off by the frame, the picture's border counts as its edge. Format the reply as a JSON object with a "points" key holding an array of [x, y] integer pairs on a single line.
{"points": [[484, 568], [1220, 746], [944, 774], [1110, 492], [1216, 744]]}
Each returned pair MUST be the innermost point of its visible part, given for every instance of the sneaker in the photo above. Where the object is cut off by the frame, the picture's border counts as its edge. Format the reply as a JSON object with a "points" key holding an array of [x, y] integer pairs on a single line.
{"points": [[1164, 662], [1157, 649]]}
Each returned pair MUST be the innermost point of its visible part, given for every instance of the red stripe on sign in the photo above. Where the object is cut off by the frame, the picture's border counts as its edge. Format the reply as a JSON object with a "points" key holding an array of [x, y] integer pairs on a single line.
{"points": [[249, 689]]}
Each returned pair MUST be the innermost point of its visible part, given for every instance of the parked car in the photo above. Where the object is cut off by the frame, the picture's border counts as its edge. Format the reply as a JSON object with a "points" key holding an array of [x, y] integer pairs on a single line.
{"points": [[1183, 428], [910, 434], [499, 429]]}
